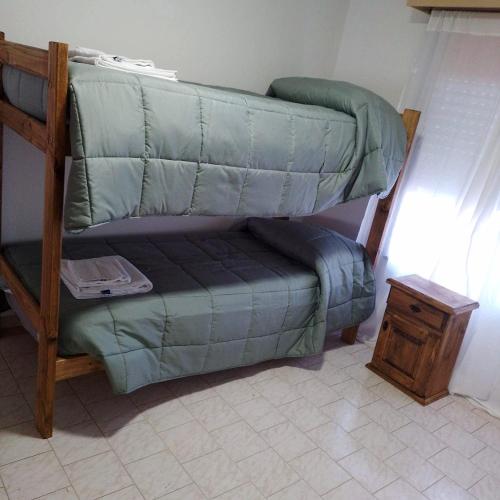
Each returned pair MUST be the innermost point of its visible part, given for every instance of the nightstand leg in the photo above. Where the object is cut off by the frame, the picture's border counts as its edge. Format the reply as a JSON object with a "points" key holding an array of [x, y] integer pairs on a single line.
{"points": [[349, 334]]}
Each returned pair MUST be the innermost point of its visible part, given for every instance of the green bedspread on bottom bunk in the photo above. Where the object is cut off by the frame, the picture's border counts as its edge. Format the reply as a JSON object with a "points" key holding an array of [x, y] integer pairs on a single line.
{"points": [[220, 300]]}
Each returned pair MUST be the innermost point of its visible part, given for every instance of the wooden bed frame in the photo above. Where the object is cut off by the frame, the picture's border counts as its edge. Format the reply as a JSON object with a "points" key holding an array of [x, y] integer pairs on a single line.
{"points": [[52, 139]]}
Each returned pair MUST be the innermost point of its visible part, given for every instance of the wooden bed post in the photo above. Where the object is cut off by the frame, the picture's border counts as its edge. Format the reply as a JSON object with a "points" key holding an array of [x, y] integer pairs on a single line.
{"points": [[383, 211], [2, 37], [52, 235]]}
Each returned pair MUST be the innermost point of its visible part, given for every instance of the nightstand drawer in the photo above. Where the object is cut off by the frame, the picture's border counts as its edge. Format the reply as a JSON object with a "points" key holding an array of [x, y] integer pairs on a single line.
{"points": [[417, 310]]}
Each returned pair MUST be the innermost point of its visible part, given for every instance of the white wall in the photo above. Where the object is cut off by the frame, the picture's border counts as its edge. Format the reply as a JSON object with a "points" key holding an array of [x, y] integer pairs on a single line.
{"points": [[239, 43], [379, 44]]}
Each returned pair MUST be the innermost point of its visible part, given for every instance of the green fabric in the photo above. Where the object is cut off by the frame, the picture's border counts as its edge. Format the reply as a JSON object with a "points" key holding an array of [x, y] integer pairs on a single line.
{"points": [[219, 300], [380, 134], [143, 146]]}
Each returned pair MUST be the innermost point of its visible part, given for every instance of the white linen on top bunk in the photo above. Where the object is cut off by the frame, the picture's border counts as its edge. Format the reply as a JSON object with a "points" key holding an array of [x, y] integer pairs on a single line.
{"points": [[120, 63], [108, 276]]}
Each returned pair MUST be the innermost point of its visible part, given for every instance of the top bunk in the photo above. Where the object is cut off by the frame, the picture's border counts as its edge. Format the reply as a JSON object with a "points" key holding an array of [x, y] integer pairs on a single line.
{"points": [[142, 146]]}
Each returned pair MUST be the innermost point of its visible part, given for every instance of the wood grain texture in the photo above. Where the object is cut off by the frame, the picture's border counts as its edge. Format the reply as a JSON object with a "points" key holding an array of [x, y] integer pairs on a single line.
{"points": [[74, 366], [473, 5], [2, 38], [30, 59], [417, 350], [52, 234]]}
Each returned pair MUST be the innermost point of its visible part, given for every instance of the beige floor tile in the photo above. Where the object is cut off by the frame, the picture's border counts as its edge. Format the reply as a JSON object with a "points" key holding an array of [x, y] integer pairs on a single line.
{"points": [[363, 375], [425, 416], [446, 489], [260, 414], [16, 341], [129, 493], [463, 416], [189, 441], [135, 441], [97, 476], [22, 365], [213, 413], [356, 393], [346, 415], [297, 491], [486, 489], [191, 389], [463, 442], [294, 374], [457, 468], [393, 396], [189, 492], [332, 439], [287, 440], [339, 358], [92, 388], [68, 411], [33, 477], [488, 460], [414, 469], [423, 442], [64, 494], [3, 364], [304, 415], [8, 385], [351, 490], [330, 375], [368, 470], [490, 434], [268, 471], [277, 391], [159, 392], [320, 471], [21, 441], [317, 392], [78, 442], [3, 494], [399, 490], [14, 410], [239, 440], [246, 492], [441, 403], [215, 473], [383, 414], [113, 413], [166, 415], [158, 475], [364, 356], [376, 439], [235, 392], [257, 373]]}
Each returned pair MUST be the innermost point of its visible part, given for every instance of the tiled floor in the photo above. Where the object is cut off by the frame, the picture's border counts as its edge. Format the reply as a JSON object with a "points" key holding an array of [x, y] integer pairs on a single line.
{"points": [[321, 427]]}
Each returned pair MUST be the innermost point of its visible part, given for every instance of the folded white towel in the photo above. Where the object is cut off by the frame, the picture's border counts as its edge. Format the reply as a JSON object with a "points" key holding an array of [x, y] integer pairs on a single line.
{"points": [[120, 63], [108, 276]]}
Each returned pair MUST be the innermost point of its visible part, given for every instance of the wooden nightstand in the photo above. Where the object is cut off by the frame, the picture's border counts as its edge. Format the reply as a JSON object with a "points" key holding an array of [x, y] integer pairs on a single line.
{"points": [[420, 337]]}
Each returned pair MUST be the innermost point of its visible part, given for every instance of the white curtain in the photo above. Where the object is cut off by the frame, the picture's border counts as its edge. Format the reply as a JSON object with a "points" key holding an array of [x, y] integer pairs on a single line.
{"points": [[446, 224]]}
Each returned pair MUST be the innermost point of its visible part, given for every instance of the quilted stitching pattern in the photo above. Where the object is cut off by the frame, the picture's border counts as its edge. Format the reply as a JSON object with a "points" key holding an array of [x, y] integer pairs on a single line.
{"points": [[220, 300], [146, 147]]}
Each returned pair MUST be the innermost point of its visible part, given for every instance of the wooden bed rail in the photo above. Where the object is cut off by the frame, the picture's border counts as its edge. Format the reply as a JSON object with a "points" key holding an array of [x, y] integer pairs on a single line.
{"points": [[29, 59]]}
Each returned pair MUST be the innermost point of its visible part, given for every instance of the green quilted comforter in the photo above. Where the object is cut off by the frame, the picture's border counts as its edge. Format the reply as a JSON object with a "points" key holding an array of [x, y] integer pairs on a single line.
{"points": [[219, 300], [143, 146]]}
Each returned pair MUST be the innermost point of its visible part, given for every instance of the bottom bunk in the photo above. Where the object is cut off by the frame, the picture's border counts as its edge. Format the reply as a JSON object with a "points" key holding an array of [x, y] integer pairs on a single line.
{"points": [[219, 300]]}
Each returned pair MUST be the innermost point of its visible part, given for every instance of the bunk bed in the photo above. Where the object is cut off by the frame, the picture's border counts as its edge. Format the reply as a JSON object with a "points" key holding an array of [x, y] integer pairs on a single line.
{"points": [[35, 281]]}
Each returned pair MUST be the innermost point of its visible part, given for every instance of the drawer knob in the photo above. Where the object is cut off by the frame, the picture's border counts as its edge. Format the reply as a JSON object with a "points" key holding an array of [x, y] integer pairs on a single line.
{"points": [[415, 308], [385, 324]]}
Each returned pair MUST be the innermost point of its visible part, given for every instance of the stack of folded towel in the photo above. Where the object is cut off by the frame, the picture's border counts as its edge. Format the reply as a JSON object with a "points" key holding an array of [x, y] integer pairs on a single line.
{"points": [[120, 63], [109, 276]]}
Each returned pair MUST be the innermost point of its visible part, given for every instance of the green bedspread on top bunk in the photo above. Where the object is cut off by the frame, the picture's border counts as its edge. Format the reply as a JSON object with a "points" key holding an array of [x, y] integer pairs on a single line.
{"points": [[219, 300], [144, 146]]}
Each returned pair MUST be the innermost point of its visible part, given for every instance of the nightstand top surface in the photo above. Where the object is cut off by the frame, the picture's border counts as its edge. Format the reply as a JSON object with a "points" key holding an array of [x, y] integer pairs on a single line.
{"points": [[436, 295]]}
